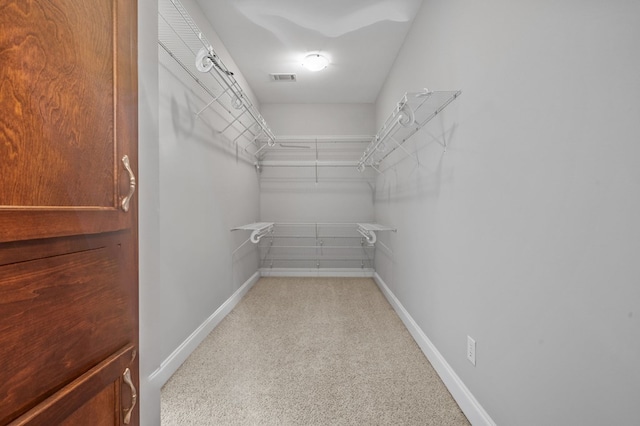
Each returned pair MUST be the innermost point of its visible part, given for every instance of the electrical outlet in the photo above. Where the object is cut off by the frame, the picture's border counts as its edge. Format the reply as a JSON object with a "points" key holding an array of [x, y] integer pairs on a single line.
{"points": [[471, 350]]}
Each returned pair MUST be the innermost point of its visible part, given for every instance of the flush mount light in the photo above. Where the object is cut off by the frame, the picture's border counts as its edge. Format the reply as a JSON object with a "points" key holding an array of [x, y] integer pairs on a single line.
{"points": [[315, 62]]}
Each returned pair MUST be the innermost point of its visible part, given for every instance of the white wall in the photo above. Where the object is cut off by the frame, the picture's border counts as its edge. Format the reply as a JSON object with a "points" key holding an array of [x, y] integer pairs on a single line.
{"points": [[320, 119], [193, 191], [340, 194], [525, 233]]}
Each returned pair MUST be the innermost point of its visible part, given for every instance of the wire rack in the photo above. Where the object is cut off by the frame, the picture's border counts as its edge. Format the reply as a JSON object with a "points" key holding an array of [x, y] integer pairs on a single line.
{"points": [[316, 159], [181, 38], [412, 112], [314, 245]]}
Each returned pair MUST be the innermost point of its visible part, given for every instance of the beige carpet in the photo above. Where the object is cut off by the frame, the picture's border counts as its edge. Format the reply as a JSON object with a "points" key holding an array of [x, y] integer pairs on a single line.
{"points": [[309, 351]]}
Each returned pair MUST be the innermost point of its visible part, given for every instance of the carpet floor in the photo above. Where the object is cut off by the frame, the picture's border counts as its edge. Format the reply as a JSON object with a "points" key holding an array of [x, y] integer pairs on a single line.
{"points": [[309, 351]]}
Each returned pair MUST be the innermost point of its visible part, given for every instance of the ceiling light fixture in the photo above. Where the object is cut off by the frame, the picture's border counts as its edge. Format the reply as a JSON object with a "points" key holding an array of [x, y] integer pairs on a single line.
{"points": [[315, 62]]}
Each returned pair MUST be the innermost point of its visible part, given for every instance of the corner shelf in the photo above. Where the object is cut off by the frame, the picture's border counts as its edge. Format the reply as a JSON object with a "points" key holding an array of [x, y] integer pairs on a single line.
{"points": [[181, 38], [414, 110]]}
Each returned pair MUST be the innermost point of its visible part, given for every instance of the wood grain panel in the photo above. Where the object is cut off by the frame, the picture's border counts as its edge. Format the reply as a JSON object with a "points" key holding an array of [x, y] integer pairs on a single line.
{"points": [[101, 410], [61, 315], [96, 394], [18, 225], [68, 114], [23, 251], [57, 103]]}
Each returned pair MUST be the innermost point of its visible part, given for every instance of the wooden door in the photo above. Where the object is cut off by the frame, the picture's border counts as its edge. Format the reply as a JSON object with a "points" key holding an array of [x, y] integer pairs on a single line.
{"points": [[68, 223]]}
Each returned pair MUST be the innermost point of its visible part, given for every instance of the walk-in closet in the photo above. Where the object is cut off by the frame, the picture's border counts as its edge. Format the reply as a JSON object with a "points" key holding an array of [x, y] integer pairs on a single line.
{"points": [[437, 225]]}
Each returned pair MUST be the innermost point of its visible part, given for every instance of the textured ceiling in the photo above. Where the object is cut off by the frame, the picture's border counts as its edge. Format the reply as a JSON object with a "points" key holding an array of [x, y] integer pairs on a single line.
{"points": [[361, 37]]}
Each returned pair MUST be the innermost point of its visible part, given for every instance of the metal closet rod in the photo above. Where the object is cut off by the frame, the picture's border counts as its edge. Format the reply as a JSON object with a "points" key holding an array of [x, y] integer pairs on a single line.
{"points": [[245, 105], [202, 42], [236, 118], [307, 181], [313, 236], [315, 224], [308, 163], [425, 121], [222, 72], [392, 122], [199, 82], [403, 117], [323, 247], [315, 259], [324, 139]]}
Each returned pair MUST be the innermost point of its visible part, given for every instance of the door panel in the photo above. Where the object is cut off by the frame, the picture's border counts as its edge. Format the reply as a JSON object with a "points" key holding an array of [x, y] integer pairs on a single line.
{"points": [[59, 84], [103, 403], [20, 224], [68, 251], [68, 103], [63, 314], [99, 394], [23, 251]]}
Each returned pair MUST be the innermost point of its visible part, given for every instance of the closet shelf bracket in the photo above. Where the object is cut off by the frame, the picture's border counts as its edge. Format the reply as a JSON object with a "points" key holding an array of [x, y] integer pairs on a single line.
{"points": [[259, 230], [368, 231], [412, 112]]}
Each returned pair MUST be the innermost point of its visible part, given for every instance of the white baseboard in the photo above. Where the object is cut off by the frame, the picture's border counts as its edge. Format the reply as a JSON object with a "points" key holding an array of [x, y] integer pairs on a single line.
{"points": [[317, 272], [169, 366], [465, 399]]}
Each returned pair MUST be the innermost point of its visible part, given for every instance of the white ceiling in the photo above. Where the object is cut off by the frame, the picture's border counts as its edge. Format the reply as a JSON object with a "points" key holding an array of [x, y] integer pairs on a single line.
{"points": [[361, 37]]}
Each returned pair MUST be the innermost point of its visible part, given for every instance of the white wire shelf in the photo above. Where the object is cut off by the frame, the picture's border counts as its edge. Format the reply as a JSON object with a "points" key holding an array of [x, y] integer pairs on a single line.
{"points": [[375, 227], [181, 38], [315, 245], [319, 265], [258, 226], [308, 163], [305, 151], [318, 159], [274, 247], [258, 230], [327, 250], [414, 110]]}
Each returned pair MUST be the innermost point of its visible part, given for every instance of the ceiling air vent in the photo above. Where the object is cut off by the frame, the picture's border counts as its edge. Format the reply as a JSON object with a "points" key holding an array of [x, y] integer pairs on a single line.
{"points": [[282, 77]]}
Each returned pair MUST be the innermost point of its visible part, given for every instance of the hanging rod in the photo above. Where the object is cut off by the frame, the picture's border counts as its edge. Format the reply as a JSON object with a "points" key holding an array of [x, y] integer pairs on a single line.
{"points": [[260, 229], [327, 237], [315, 223], [321, 247], [314, 259], [323, 139], [412, 112], [179, 35], [307, 163]]}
